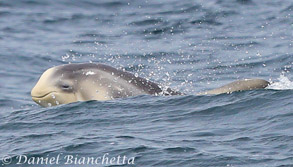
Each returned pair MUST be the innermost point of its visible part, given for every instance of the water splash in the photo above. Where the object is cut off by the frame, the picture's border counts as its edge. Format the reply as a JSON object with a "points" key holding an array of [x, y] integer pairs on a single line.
{"points": [[283, 83]]}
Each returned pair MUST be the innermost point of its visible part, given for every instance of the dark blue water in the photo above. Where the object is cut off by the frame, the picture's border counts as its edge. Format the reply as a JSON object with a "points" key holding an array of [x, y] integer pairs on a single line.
{"points": [[188, 45]]}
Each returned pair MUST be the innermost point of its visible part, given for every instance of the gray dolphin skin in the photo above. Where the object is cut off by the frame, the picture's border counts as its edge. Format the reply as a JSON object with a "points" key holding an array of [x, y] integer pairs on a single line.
{"points": [[241, 85], [81, 82], [89, 81]]}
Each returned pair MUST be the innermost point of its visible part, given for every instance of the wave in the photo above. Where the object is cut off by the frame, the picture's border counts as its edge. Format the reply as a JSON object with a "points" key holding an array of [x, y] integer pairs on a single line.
{"points": [[283, 83]]}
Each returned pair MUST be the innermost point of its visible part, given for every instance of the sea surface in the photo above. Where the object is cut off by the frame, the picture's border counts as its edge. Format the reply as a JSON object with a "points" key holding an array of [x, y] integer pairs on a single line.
{"points": [[187, 45]]}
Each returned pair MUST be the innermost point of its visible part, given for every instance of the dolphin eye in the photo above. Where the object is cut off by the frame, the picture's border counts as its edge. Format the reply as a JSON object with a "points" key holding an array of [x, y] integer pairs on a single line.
{"points": [[66, 87]]}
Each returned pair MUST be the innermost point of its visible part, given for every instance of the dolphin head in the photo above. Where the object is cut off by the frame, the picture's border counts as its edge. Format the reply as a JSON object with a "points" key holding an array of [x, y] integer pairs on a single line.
{"points": [[75, 82], [55, 86]]}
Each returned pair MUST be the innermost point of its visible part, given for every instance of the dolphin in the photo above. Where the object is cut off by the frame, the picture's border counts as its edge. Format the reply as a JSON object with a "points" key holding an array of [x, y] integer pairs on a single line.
{"points": [[90, 81]]}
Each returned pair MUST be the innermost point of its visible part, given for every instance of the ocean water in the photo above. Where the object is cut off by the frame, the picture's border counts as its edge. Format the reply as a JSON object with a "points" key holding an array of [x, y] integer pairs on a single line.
{"points": [[188, 45]]}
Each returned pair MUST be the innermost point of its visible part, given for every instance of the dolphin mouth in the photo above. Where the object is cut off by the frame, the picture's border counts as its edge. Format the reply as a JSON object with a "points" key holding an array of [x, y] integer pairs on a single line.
{"points": [[42, 96]]}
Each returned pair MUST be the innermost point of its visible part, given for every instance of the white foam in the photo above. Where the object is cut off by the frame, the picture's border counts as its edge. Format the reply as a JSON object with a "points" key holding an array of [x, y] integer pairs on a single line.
{"points": [[283, 83]]}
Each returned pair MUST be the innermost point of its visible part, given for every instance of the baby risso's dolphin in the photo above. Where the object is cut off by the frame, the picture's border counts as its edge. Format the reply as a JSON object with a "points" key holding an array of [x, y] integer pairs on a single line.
{"points": [[81, 82]]}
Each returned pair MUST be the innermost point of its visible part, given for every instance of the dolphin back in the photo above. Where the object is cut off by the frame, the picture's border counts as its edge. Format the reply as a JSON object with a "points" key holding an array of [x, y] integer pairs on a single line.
{"points": [[240, 85]]}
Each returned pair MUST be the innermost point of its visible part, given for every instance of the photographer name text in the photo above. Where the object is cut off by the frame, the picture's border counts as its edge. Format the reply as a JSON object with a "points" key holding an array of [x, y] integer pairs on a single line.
{"points": [[68, 159]]}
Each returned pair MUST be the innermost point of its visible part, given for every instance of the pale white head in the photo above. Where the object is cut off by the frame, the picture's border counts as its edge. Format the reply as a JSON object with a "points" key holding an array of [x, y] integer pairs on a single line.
{"points": [[69, 83]]}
